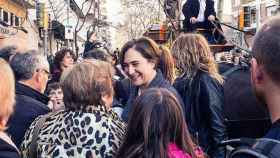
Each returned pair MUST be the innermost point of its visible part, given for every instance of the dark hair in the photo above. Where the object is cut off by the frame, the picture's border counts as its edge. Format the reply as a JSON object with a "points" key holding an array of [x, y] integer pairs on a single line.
{"points": [[266, 48], [7, 52], [52, 86], [59, 55], [157, 121], [98, 54], [150, 50]]}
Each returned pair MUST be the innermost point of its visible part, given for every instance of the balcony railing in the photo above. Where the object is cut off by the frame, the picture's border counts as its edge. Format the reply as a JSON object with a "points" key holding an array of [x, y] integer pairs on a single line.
{"points": [[26, 3]]}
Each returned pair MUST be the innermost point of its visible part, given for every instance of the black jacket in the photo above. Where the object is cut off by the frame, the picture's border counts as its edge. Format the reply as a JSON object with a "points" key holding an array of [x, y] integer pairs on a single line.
{"points": [[91, 45], [158, 82], [204, 99], [29, 105], [191, 9], [7, 150]]}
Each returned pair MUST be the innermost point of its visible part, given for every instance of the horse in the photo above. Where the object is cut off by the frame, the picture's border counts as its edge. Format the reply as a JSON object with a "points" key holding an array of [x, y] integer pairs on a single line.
{"points": [[245, 116]]}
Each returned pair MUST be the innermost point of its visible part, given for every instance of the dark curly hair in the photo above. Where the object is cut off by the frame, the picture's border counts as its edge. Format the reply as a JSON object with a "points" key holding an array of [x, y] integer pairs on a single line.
{"points": [[59, 55]]}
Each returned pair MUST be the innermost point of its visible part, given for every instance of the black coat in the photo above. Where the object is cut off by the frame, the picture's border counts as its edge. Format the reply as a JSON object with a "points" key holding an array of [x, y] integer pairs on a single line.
{"points": [[191, 9], [91, 45], [29, 105], [7, 150], [204, 99], [158, 82]]}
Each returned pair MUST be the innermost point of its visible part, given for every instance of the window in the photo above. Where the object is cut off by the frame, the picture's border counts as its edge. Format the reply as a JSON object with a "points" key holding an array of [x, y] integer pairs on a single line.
{"points": [[6, 17], [16, 21], [247, 17], [250, 16], [1, 14], [271, 10], [253, 15], [12, 19]]}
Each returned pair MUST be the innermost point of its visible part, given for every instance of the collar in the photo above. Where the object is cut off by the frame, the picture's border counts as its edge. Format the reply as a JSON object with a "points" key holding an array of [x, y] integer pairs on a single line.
{"points": [[276, 124], [22, 89], [99, 108], [158, 80]]}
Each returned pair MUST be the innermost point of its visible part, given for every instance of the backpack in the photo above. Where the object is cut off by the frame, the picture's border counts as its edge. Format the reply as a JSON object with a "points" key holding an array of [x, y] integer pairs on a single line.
{"points": [[252, 148]]}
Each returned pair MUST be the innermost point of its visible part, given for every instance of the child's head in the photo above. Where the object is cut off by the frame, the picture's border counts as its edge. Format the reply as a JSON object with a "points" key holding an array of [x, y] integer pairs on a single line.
{"points": [[55, 94]]}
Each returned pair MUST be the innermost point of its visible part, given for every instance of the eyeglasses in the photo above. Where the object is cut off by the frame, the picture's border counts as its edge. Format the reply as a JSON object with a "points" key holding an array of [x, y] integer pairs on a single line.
{"points": [[46, 72]]}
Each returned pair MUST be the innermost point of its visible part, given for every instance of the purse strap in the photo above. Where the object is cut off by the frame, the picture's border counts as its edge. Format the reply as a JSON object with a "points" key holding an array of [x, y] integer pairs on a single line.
{"points": [[34, 144]]}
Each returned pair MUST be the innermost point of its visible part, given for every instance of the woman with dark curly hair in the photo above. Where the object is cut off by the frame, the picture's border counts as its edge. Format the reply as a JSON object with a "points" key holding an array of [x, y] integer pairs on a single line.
{"points": [[63, 59]]}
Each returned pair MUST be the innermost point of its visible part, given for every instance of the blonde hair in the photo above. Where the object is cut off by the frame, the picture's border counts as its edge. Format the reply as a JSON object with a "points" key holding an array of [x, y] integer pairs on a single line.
{"points": [[84, 84], [192, 53], [7, 92]]}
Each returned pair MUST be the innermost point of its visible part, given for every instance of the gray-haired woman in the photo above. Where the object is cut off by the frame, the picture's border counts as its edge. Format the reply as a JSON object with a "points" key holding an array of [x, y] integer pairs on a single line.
{"points": [[87, 127]]}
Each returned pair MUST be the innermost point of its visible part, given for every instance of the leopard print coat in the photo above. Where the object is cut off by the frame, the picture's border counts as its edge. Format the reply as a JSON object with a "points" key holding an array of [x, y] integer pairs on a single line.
{"points": [[92, 133]]}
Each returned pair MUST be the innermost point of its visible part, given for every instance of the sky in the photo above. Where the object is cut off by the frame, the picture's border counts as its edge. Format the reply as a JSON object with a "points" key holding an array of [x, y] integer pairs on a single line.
{"points": [[114, 8]]}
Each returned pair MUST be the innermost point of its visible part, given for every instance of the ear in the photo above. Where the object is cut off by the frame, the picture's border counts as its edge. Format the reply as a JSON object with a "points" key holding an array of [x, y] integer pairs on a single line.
{"points": [[152, 63], [108, 100], [257, 74], [38, 76], [3, 121]]}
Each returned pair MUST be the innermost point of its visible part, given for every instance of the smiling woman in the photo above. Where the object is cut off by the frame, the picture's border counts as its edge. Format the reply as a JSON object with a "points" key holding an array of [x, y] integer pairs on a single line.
{"points": [[147, 65]]}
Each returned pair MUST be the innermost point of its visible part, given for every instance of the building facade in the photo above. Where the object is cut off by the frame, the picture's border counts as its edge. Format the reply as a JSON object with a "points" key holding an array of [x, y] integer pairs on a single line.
{"points": [[15, 26], [245, 12]]}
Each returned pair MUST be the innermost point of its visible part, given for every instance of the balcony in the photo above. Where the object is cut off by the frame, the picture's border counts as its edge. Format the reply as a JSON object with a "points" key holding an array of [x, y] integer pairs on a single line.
{"points": [[29, 4]]}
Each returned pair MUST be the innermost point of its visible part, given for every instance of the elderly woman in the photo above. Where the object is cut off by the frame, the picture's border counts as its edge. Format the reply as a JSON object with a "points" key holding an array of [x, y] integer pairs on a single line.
{"points": [[7, 98], [87, 127], [200, 86]]}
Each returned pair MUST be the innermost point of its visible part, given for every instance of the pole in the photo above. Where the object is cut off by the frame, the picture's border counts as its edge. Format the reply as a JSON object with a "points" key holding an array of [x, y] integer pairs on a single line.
{"points": [[45, 42], [68, 12], [258, 10]]}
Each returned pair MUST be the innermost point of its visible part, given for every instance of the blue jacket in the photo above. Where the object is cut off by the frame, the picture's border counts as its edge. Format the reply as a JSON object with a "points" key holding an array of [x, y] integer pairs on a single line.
{"points": [[274, 131], [29, 105], [158, 82]]}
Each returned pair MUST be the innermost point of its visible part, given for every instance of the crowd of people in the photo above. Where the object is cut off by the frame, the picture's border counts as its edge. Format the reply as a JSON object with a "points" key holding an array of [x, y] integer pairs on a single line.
{"points": [[145, 100]]}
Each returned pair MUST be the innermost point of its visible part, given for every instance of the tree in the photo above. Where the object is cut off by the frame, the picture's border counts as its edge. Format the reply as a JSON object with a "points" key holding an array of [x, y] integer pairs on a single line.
{"points": [[87, 12], [139, 15], [80, 22]]}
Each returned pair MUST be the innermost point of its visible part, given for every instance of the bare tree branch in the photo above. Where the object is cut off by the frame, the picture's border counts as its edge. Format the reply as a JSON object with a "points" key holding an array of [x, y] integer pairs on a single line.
{"points": [[140, 14], [90, 6]]}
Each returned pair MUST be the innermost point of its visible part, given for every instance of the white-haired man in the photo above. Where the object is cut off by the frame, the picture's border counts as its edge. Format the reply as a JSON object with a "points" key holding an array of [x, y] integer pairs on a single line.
{"points": [[31, 71]]}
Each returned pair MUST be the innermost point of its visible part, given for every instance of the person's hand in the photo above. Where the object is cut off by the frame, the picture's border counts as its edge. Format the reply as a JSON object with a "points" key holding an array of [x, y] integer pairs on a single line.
{"points": [[50, 105], [211, 17], [93, 37], [193, 20]]}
